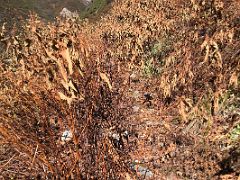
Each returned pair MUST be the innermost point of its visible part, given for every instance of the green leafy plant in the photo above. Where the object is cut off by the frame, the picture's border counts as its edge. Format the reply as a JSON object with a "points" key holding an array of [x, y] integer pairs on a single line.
{"points": [[235, 133], [95, 7], [161, 48], [149, 69]]}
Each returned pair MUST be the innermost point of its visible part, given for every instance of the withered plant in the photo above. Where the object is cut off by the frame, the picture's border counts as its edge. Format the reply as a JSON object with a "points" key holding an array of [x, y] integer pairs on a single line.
{"points": [[54, 78]]}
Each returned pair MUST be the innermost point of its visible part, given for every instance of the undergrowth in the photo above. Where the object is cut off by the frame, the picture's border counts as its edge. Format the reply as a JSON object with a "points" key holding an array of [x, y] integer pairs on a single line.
{"points": [[66, 75], [53, 79]]}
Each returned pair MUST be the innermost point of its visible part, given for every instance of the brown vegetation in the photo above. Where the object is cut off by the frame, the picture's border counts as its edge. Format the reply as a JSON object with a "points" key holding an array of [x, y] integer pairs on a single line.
{"points": [[76, 76]]}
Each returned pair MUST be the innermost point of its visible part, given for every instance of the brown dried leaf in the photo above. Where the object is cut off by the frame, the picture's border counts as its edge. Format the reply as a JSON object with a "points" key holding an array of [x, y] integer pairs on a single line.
{"points": [[106, 80], [80, 72], [182, 110], [69, 85], [68, 99], [62, 70], [234, 79], [49, 54], [66, 55]]}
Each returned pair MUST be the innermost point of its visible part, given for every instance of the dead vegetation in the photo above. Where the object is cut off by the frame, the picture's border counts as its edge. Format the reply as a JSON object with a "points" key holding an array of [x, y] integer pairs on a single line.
{"points": [[75, 76], [53, 79]]}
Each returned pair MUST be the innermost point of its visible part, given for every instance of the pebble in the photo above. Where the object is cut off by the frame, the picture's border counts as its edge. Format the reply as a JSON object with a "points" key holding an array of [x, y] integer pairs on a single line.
{"points": [[66, 136], [68, 14], [7, 61], [134, 77], [136, 94], [135, 108], [141, 170], [87, 2], [115, 136]]}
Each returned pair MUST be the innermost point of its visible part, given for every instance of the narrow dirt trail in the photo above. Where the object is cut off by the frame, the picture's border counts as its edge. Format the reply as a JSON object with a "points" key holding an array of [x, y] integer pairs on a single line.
{"points": [[148, 129], [160, 146]]}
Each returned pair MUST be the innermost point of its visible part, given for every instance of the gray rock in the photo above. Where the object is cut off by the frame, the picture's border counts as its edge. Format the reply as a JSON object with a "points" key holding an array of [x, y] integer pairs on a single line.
{"points": [[65, 13], [66, 136], [143, 171], [116, 136], [87, 2], [135, 108], [7, 61]]}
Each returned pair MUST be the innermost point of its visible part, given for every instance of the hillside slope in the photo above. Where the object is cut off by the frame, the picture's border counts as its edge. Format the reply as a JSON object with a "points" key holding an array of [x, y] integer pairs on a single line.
{"points": [[150, 91]]}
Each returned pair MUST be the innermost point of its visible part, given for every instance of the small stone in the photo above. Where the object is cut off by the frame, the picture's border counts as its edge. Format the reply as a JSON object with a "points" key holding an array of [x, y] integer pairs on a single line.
{"points": [[136, 94], [66, 136], [116, 136], [87, 2], [135, 108], [65, 13], [7, 61], [141, 170], [161, 144], [134, 77]]}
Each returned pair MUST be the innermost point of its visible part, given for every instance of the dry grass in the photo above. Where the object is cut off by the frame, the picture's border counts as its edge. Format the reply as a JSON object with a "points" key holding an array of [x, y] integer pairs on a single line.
{"points": [[67, 75], [56, 81]]}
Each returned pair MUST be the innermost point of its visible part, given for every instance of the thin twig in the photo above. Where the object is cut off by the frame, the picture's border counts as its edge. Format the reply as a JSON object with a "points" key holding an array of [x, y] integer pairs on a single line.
{"points": [[34, 155], [16, 172], [7, 162]]}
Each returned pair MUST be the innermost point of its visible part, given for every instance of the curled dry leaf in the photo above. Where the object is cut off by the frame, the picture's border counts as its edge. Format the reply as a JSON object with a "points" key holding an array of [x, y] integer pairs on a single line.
{"points": [[182, 111], [60, 65], [69, 85], [62, 70], [68, 99], [66, 55], [234, 79], [106, 80]]}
